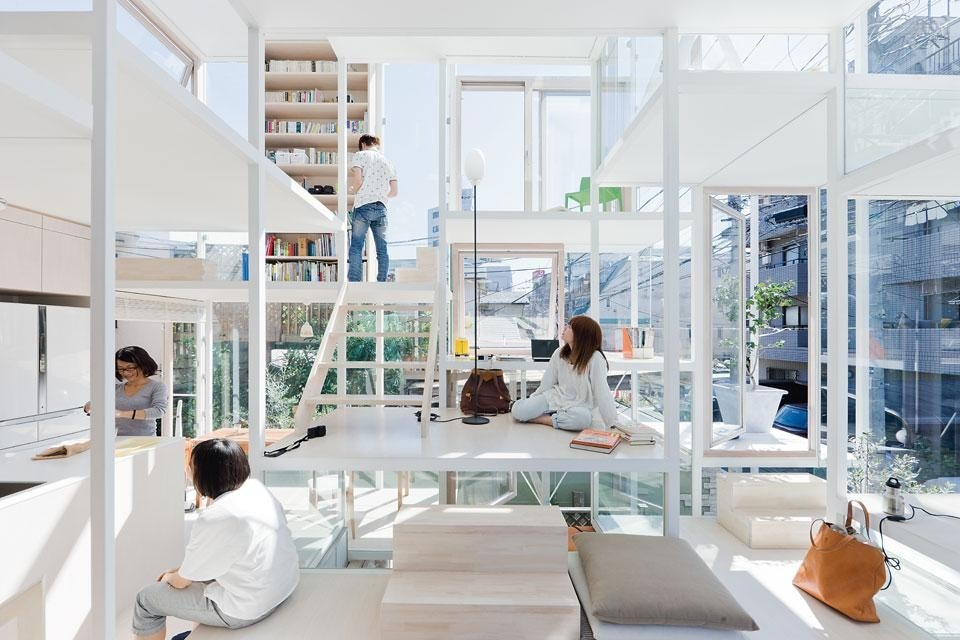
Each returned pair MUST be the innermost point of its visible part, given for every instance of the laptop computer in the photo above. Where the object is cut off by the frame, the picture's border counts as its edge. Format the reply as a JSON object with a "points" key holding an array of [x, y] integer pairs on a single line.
{"points": [[541, 350]]}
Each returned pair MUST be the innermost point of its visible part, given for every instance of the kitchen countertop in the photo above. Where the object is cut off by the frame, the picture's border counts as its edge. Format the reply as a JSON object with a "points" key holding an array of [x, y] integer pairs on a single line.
{"points": [[16, 464]]}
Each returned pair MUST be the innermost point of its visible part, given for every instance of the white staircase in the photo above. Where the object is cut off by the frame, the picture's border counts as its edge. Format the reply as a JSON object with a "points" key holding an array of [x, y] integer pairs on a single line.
{"points": [[771, 510], [382, 313], [480, 572]]}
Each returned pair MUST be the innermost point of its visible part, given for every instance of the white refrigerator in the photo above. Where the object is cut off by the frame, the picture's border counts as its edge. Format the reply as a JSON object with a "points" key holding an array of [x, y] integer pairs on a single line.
{"points": [[44, 371]]}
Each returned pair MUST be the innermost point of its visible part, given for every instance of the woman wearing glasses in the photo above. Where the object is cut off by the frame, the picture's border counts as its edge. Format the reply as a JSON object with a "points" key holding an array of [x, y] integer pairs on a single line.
{"points": [[140, 399], [573, 394]]}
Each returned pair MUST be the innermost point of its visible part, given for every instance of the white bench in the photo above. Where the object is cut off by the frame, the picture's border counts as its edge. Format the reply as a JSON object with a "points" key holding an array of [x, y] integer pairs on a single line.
{"points": [[770, 510], [328, 603]]}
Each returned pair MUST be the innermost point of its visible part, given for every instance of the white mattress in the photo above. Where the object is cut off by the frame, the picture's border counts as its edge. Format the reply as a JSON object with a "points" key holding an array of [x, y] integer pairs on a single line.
{"points": [[608, 631]]}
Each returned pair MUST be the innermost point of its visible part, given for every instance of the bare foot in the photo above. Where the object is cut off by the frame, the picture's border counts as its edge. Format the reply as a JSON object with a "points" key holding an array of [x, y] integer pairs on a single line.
{"points": [[544, 419]]}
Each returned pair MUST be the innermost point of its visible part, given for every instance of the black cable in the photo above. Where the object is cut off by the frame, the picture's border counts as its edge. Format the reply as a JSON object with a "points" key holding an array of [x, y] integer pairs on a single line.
{"points": [[893, 563], [282, 450]]}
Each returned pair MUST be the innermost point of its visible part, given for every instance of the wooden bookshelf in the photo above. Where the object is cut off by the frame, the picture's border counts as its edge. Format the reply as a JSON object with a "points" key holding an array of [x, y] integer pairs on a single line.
{"points": [[319, 96], [302, 257]]}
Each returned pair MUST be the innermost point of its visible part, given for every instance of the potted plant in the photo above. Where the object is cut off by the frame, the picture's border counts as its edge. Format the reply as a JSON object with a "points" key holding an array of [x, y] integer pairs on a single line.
{"points": [[765, 304]]}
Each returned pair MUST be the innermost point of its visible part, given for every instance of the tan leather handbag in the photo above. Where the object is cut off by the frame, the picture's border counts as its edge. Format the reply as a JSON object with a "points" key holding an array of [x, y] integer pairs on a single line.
{"points": [[841, 570]]}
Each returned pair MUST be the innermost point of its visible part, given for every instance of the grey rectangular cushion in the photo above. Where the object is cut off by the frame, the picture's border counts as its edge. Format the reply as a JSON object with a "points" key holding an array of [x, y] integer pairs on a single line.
{"points": [[653, 580]]}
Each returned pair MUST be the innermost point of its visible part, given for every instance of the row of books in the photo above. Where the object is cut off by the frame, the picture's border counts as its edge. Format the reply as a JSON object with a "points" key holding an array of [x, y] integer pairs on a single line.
{"points": [[606, 441], [301, 271], [309, 96], [305, 96], [302, 66], [305, 66], [278, 247], [302, 156], [300, 126]]}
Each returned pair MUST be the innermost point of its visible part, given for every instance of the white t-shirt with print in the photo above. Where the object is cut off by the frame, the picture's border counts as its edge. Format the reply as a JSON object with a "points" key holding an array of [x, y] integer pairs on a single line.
{"points": [[242, 543], [377, 174]]}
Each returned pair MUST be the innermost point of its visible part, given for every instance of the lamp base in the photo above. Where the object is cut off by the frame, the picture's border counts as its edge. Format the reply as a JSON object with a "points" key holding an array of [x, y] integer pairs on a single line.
{"points": [[475, 420]]}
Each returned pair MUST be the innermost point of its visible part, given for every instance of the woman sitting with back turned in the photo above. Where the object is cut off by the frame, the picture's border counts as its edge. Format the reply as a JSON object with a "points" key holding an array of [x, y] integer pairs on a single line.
{"points": [[240, 563], [573, 394]]}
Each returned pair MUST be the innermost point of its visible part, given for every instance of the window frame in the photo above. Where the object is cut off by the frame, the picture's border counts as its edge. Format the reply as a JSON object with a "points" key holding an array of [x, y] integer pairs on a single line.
{"points": [[460, 250], [176, 46], [546, 85]]}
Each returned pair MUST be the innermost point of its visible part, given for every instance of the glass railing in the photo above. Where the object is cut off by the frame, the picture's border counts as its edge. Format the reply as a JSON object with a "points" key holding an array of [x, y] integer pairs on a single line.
{"points": [[629, 72], [754, 52], [901, 84]]}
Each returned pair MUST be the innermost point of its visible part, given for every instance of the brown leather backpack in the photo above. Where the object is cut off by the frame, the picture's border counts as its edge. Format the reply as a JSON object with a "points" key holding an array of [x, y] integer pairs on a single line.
{"points": [[489, 387]]}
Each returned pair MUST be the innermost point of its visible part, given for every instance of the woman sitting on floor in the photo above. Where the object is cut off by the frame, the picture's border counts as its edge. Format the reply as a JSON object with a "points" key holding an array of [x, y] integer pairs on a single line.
{"points": [[240, 563], [573, 394]]}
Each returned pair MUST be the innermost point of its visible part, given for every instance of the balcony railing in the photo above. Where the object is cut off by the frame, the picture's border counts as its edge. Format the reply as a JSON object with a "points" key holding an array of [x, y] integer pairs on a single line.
{"points": [[797, 272], [934, 350]]}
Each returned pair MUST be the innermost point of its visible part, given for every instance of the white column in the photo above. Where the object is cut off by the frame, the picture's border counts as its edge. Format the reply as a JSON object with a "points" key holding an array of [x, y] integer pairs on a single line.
{"points": [[635, 322], [702, 356], [257, 310], [102, 316], [206, 422], [837, 348], [814, 305], [594, 191], [671, 280], [862, 317], [443, 251]]}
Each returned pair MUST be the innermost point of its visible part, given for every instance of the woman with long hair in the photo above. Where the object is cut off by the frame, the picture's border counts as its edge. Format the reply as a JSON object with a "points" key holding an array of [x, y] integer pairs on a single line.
{"points": [[573, 394]]}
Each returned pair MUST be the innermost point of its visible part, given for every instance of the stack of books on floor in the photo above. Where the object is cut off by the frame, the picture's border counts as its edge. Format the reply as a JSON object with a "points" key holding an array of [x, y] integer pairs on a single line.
{"points": [[596, 440], [637, 434]]}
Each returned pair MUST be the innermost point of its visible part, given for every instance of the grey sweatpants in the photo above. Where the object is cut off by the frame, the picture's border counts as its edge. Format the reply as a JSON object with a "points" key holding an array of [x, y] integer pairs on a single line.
{"points": [[159, 600], [573, 418]]}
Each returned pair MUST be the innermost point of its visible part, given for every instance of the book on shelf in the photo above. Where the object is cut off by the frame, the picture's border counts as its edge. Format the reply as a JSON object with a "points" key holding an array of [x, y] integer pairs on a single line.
{"points": [[595, 440], [302, 156], [637, 434], [321, 246], [302, 66], [301, 271], [304, 96]]}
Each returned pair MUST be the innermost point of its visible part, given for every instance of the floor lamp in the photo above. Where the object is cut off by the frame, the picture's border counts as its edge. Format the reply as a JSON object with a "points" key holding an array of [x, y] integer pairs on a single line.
{"points": [[473, 168]]}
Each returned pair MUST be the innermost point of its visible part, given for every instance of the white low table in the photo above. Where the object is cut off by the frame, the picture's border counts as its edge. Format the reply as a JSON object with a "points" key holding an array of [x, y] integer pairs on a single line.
{"points": [[388, 439]]}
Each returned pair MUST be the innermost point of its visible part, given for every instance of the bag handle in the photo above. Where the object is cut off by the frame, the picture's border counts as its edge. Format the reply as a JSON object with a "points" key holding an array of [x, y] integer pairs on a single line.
{"points": [[866, 516], [845, 540]]}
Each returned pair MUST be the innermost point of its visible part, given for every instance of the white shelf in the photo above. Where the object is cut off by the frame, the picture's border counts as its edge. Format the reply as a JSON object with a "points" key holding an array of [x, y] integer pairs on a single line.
{"points": [[616, 361], [312, 110], [318, 140], [301, 258], [327, 170], [232, 291], [323, 80], [389, 439]]}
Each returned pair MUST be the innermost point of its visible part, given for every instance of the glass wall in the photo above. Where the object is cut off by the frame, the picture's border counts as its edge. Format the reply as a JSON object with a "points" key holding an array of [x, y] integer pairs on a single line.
{"points": [[629, 73], [754, 52], [908, 304], [899, 89]]}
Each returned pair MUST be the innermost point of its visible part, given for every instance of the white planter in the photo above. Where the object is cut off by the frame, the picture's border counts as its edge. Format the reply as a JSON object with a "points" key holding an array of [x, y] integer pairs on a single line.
{"points": [[759, 406]]}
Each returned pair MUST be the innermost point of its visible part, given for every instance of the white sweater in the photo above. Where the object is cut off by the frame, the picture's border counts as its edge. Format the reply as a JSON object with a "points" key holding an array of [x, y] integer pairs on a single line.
{"points": [[564, 387]]}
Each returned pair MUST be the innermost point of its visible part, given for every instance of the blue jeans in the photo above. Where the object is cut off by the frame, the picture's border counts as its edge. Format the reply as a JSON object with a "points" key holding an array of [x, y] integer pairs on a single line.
{"points": [[574, 418], [373, 216]]}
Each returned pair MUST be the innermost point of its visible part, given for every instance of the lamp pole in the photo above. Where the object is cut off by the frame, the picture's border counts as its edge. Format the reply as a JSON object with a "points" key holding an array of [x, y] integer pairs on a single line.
{"points": [[474, 168]]}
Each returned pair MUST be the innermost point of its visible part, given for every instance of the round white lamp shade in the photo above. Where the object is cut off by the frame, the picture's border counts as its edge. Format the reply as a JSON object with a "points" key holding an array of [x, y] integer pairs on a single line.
{"points": [[474, 166]]}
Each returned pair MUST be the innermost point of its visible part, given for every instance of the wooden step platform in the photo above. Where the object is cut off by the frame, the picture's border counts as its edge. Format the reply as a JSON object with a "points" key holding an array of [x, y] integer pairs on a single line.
{"points": [[771, 510], [504, 539], [332, 603], [473, 606]]}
